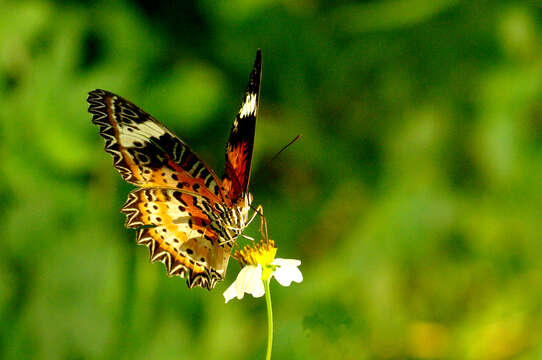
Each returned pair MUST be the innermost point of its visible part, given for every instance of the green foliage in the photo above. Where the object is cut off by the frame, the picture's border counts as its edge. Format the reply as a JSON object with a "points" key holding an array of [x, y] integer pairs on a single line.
{"points": [[413, 197]]}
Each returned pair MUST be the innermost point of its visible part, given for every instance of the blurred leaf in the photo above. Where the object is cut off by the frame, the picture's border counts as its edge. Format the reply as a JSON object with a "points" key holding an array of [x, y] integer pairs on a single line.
{"points": [[388, 14]]}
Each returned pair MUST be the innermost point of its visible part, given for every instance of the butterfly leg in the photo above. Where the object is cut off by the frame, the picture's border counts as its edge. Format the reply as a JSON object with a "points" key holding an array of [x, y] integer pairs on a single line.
{"points": [[263, 225], [231, 238], [239, 229], [257, 211], [263, 222], [248, 237]]}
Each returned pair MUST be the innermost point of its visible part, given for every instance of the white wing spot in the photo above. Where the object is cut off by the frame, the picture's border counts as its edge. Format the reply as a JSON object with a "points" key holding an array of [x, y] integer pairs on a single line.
{"points": [[152, 129], [140, 134], [249, 106]]}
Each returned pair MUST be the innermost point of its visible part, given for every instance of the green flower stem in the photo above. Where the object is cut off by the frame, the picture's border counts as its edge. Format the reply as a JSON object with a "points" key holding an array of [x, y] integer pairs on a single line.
{"points": [[269, 319]]}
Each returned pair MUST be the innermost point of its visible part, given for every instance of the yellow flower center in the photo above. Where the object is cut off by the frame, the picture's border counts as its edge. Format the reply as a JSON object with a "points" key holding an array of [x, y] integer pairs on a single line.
{"points": [[262, 253]]}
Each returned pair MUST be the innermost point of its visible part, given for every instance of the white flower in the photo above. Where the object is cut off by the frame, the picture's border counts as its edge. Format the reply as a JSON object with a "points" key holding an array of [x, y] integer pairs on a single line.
{"points": [[251, 277], [249, 280]]}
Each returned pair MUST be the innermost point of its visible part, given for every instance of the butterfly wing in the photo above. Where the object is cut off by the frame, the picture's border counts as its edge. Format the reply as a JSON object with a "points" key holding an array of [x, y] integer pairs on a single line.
{"points": [[241, 140], [145, 152], [183, 231], [180, 201]]}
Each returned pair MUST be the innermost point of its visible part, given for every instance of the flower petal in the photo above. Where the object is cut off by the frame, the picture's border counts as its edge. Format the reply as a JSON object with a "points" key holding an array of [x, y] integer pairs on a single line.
{"points": [[287, 271], [286, 262], [253, 281], [257, 290], [249, 280], [230, 292]]}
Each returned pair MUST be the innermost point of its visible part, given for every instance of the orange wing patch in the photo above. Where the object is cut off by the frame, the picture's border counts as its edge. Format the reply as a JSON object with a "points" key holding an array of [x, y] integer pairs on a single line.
{"points": [[237, 172]]}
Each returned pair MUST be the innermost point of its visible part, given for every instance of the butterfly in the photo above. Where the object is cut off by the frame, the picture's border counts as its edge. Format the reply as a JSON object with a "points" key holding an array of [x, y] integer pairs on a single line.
{"points": [[184, 213]]}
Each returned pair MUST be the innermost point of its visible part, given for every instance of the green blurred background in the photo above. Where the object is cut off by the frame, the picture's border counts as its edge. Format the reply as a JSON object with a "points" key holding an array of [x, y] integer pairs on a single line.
{"points": [[413, 198]]}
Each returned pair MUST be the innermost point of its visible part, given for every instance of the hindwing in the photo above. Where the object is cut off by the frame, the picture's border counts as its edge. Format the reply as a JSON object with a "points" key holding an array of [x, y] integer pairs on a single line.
{"points": [[186, 232]]}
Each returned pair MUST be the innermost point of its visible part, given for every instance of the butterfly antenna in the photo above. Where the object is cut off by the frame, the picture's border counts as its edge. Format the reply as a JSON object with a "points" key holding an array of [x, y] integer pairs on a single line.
{"points": [[281, 150], [278, 153]]}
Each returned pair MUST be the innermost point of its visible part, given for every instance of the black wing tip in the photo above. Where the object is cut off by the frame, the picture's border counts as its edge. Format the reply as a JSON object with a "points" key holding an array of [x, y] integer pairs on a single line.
{"points": [[256, 74], [257, 68]]}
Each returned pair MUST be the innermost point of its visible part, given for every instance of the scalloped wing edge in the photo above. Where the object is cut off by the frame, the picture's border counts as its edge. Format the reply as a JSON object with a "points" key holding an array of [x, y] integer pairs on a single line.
{"points": [[98, 108], [207, 278]]}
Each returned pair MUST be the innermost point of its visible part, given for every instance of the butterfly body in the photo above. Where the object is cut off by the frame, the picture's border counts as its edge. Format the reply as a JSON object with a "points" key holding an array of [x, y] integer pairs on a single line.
{"points": [[187, 216]]}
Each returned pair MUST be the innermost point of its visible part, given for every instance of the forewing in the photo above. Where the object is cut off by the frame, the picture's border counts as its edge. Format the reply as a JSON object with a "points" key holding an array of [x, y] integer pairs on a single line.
{"points": [[241, 140], [182, 230], [145, 152]]}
